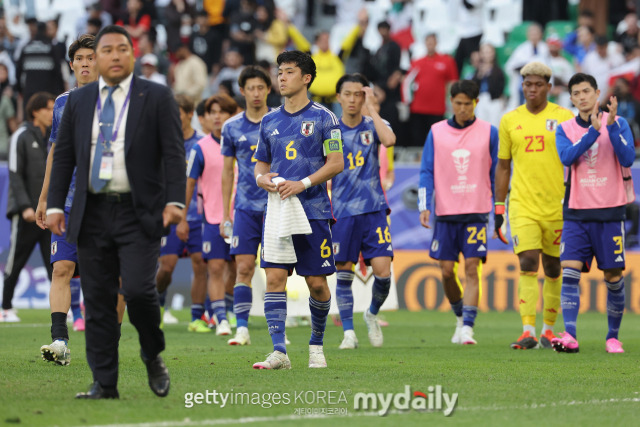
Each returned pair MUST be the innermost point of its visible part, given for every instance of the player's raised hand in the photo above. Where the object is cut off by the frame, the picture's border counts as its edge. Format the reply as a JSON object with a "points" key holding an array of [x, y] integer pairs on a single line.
{"points": [[596, 117], [424, 219], [265, 183], [613, 110]]}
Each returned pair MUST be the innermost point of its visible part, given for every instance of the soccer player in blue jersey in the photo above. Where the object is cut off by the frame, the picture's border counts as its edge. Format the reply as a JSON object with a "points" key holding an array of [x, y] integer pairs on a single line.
{"points": [[360, 205], [239, 140], [205, 167], [184, 239], [300, 142], [65, 284]]}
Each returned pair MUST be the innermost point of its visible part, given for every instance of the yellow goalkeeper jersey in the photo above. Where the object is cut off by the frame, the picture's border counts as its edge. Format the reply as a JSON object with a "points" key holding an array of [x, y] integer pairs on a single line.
{"points": [[537, 179]]}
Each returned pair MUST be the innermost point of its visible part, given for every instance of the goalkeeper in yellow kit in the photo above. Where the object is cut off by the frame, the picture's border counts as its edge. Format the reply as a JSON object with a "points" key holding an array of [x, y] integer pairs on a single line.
{"points": [[528, 139]]}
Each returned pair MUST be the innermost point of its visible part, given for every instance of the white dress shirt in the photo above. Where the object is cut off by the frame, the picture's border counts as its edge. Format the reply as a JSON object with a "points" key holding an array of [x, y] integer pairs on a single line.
{"points": [[119, 183]]}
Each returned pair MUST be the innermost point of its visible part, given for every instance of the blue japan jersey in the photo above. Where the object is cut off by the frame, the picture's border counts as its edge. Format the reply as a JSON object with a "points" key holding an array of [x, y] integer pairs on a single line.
{"points": [[358, 190], [58, 109], [193, 214], [294, 146], [239, 140]]}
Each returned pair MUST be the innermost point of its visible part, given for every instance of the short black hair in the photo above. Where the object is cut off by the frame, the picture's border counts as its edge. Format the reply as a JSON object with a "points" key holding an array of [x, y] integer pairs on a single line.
{"points": [[113, 29], [200, 108], [38, 101], [252, 72], [85, 41], [355, 78], [467, 87], [586, 13], [384, 24], [301, 60], [601, 40], [581, 78]]}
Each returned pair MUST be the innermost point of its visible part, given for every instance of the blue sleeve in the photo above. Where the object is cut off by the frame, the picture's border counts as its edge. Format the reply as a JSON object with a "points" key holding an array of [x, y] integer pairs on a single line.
{"points": [[568, 151], [493, 148], [425, 188], [57, 114], [227, 144], [263, 150], [331, 123], [622, 140], [196, 162]]}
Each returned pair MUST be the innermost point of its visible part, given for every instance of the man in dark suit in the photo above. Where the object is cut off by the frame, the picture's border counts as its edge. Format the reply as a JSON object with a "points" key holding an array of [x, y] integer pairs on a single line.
{"points": [[123, 134]]}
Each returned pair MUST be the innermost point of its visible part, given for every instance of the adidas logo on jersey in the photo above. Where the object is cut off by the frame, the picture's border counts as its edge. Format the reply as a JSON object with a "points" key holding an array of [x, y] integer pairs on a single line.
{"points": [[482, 248], [275, 132], [619, 259], [519, 127], [326, 264], [389, 248], [242, 138]]}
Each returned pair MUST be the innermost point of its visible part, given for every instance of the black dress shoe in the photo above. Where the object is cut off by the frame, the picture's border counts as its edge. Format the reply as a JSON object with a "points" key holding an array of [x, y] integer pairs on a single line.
{"points": [[158, 376], [98, 392]]}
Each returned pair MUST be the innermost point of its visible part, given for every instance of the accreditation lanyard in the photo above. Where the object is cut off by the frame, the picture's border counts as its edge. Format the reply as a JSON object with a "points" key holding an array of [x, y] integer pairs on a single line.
{"points": [[106, 145]]}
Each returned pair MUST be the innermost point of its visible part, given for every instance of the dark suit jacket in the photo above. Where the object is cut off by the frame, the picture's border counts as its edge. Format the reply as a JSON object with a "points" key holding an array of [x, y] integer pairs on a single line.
{"points": [[154, 154]]}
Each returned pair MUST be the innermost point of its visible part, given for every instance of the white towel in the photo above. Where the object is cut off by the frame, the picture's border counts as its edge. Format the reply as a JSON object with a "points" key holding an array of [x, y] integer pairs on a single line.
{"points": [[284, 218]]}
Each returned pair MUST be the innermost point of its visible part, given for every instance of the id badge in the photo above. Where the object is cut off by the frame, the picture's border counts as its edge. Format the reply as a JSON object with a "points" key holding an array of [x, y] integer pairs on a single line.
{"points": [[106, 166]]}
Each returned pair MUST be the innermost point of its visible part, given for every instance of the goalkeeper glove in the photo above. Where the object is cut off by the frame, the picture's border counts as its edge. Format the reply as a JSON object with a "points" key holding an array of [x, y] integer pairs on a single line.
{"points": [[500, 222]]}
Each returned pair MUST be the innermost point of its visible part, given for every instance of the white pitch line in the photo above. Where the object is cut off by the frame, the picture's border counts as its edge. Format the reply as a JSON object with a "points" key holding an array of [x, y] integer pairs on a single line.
{"points": [[248, 420]]}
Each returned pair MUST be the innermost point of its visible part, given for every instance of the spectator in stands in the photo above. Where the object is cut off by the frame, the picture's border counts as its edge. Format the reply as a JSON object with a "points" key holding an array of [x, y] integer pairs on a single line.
{"points": [[173, 15], [149, 64], [147, 44], [585, 43], [206, 41], [357, 58], [627, 33], [561, 72], [214, 9], [94, 25], [94, 11], [38, 68], [491, 81], [242, 27], [533, 49], [600, 62], [136, 22], [469, 28], [270, 34], [59, 46], [585, 19], [233, 66], [7, 40], [425, 88], [628, 106], [8, 122], [190, 74]]}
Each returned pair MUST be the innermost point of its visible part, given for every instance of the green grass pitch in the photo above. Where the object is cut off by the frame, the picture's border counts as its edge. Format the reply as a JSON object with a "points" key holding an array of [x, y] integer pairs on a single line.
{"points": [[495, 385]]}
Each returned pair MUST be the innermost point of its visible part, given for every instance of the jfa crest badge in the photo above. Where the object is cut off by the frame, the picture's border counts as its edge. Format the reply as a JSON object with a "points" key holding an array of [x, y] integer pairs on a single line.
{"points": [[366, 137], [336, 248], [552, 125], [54, 248], [235, 240], [307, 128], [206, 247]]}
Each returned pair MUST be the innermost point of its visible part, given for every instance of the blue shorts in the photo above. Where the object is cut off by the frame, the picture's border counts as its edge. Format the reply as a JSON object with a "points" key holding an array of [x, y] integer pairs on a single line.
{"points": [[314, 252], [247, 232], [451, 238], [582, 240], [213, 245], [171, 245], [367, 233], [61, 250]]}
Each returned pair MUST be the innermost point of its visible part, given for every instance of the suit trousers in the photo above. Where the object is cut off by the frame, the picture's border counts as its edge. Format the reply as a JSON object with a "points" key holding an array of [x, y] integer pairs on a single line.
{"points": [[24, 236], [111, 246]]}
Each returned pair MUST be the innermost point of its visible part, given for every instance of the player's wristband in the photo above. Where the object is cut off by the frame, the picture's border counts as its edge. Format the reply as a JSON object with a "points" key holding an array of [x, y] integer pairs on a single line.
{"points": [[307, 183], [257, 178], [499, 208]]}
